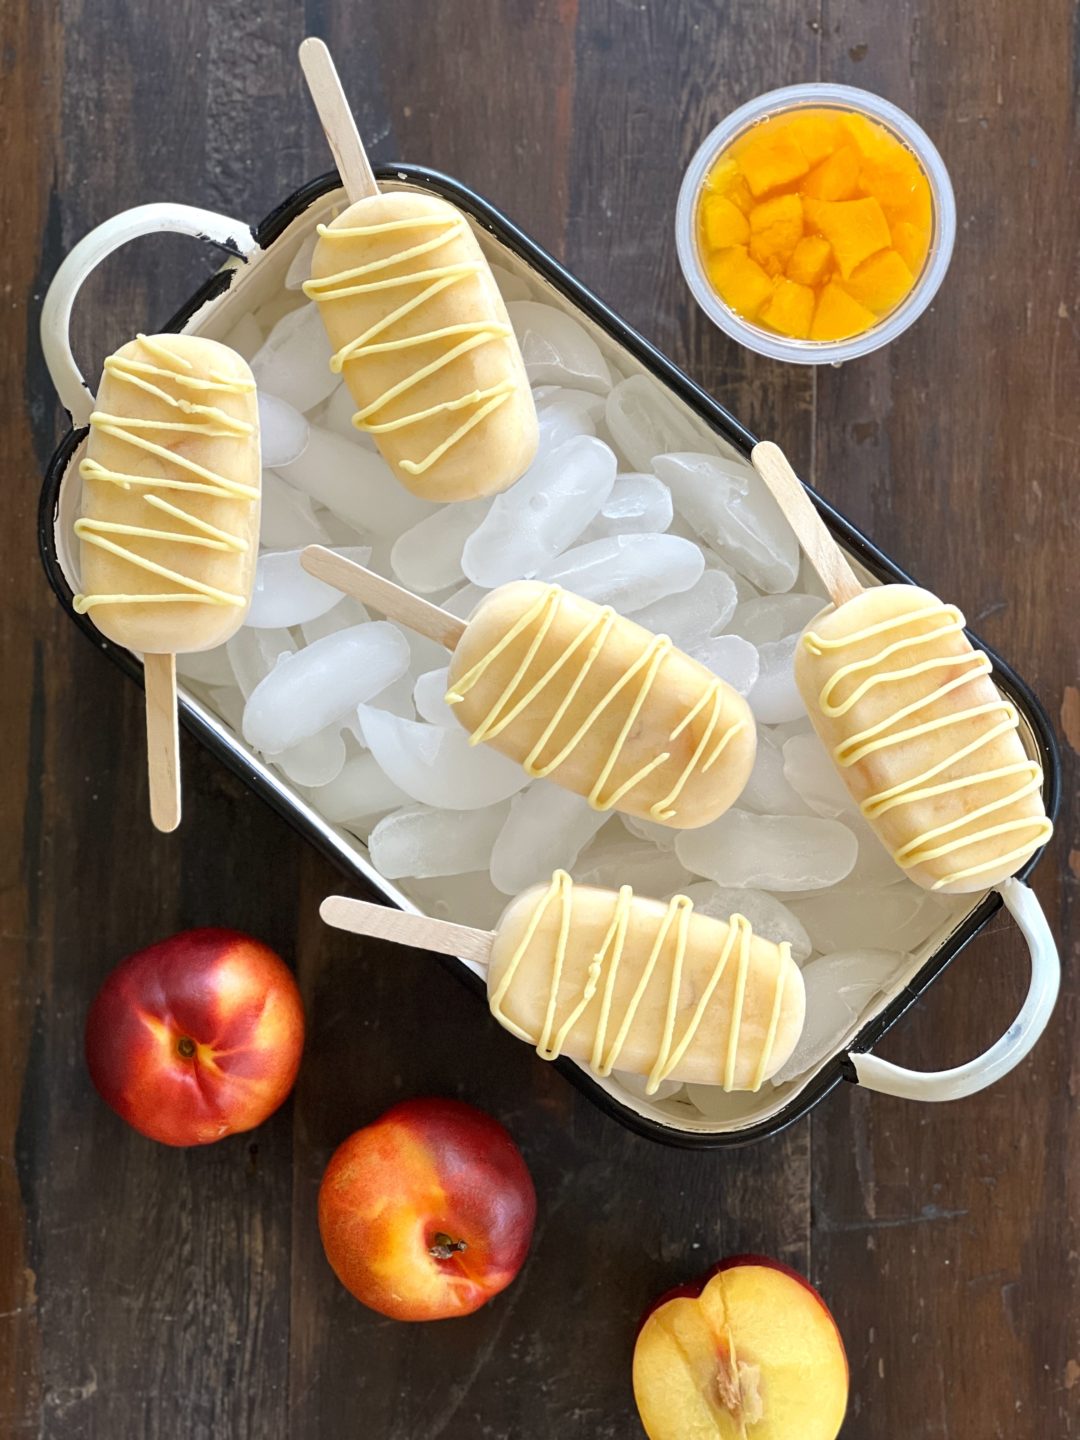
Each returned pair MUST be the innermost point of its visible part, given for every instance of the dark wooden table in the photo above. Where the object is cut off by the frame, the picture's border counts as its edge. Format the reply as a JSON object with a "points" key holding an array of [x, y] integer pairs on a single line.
{"points": [[146, 1292]]}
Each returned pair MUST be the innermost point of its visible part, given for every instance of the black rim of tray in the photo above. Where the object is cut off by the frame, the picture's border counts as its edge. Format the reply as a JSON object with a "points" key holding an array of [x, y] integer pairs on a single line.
{"points": [[717, 418]]}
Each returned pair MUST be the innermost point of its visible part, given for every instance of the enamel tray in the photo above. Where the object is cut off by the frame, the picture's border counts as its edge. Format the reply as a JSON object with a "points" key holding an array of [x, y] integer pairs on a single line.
{"points": [[254, 271]]}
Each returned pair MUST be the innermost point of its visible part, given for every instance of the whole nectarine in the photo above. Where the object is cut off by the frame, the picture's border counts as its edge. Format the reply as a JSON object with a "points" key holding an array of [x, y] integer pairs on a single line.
{"points": [[427, 1212], [196, 1037], [750, 1348]]}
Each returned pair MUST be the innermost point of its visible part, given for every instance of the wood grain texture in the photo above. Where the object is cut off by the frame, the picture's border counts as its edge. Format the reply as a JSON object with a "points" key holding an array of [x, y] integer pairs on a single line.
{"points": [[184, 1296]]}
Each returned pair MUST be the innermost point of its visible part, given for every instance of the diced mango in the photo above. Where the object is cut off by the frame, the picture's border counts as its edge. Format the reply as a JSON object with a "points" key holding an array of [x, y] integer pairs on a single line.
{"points": [[871, 139], [772, 161], [741, 195], [881, 282], [835, 178], [776, 227], [911, 243], [809, 260], [892, 179], [722, 176], [816, 132], [725, 224], [839, 315], [740, 281], [856, 229], [790, 309]]}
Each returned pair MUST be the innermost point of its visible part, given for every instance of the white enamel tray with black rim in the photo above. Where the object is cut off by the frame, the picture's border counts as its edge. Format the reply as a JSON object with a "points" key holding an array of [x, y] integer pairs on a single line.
{"points": [[259, 257]]}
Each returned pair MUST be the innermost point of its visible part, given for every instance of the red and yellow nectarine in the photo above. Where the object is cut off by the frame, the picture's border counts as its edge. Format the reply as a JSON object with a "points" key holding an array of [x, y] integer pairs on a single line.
{"points": [[749, 1352], [428, 1212], [196, 1037]]}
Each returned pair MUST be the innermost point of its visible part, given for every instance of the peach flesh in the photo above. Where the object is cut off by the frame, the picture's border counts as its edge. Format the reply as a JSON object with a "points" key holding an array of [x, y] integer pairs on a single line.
{"points": [[749, 1351]]}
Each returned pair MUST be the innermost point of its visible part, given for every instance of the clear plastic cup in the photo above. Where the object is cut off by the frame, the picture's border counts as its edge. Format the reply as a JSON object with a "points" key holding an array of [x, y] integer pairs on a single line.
{"points": [[805, 97]]}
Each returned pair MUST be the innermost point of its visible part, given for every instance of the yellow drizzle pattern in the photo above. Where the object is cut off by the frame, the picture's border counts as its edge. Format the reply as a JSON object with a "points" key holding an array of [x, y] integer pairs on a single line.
{"points": [[372, 277], [634, 686], [192, 418], [1001, 717], [603, 973]]}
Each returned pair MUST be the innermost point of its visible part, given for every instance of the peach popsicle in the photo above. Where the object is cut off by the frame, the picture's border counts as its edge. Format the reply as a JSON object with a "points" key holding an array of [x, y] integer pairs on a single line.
{"points": [[418, 325], [170, 518], [908, 710], [619, 982], [575, 692]]}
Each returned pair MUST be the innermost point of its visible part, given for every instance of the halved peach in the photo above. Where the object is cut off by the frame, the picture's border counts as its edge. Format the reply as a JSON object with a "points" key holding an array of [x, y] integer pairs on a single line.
{"points": [[751, 1350]]}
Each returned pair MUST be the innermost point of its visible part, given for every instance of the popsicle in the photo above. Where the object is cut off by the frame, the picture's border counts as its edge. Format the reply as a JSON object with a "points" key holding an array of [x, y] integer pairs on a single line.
{"points": [[619, 982], [573, 691], [170, 518], [418, 325], [908, 709]]}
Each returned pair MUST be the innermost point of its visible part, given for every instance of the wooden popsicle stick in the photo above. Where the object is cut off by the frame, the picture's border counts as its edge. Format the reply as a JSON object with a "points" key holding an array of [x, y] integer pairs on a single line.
{"points": [[390, 599], [813, 534], [384, 923], [337, 121], [162, 741]]}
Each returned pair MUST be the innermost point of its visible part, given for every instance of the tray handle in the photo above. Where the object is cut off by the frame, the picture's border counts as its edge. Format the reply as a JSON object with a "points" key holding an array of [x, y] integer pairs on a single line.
{"points": [[76, 396], [1014, 1045]]}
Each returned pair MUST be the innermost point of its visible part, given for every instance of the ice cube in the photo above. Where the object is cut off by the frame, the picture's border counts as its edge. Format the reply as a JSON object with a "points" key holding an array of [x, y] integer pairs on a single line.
{"points": [[283, 432], [429, 696], [469, 899], [397, 698], [899, 916], [362, 788], [875, 865], [730, 508], [557, 350], [464, 601], [546, 830], [732, 658], [769, 852], [744, 589], [246, 336], [206, 667], [511, 286], [589, 405], [775, 697], [438, 766], [421, 842], [285, 594], [300, 265], [293, 361], [427, 557], [661, 836], [253, 654], [768, 916], [323, 683], [287, 517], [810, 771], [318, 760], [645, 422], [635, 1084], [228, 704], [767, 791], [723, 1106], [346, 612], [356, 485], [628, 571], [611, 862], [337, 415], [561, 421], [637, 505], [531, 523], [838, 987], [775, 617], [695, 615]]}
